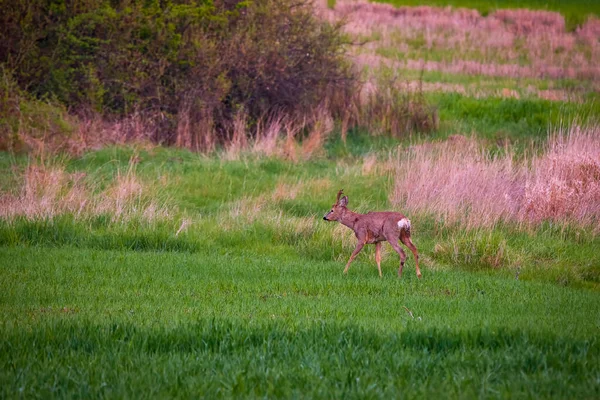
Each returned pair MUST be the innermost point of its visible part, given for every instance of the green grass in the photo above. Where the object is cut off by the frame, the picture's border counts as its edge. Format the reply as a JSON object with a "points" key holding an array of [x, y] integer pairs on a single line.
{"points": [[206, 190], [238, 307], [574, 11], [509, 118], [88, 323], [211, 359]]}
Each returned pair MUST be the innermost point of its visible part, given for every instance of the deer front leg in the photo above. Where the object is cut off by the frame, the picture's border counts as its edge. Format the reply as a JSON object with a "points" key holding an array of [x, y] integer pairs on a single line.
{"points": [[378, 257], [357, 250]]}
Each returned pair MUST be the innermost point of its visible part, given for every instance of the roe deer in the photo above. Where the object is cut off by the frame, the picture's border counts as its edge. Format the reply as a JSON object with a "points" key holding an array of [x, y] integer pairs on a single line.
{"points": [[374, 228]]}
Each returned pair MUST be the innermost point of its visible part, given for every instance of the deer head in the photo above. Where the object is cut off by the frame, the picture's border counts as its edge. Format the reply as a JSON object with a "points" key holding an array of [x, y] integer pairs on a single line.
{"points": [[338, 208]]}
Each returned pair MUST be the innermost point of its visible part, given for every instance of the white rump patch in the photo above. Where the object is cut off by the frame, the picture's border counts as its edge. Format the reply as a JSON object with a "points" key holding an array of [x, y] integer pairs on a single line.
{"points": [[404, 223]]}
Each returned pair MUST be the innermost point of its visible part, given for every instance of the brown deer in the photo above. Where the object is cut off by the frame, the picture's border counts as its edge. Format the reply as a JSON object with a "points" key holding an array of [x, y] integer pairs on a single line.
{"points": [[374, 228]]}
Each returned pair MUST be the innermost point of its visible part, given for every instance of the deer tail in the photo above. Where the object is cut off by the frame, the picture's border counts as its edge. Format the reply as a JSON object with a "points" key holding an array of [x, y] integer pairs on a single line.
{"points": [[404, 225]]}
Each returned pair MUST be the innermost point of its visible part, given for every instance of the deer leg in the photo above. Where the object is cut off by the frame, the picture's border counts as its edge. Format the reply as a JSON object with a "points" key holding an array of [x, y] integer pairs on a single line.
{"points": [[405, 238], [378, 256], [401, 253], [357, 250]]}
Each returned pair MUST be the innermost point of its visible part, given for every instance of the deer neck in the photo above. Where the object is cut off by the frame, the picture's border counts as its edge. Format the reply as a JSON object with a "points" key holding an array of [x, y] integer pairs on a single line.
{"points": [[349, 218]]}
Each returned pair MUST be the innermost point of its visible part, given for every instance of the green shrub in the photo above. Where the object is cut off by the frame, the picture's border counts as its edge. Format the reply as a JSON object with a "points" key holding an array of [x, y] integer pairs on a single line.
{"points": [[179, 64], [26, 122]]}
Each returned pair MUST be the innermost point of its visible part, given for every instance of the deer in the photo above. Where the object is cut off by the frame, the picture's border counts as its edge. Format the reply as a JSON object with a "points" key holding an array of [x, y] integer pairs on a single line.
{"points": [[374, 228]]}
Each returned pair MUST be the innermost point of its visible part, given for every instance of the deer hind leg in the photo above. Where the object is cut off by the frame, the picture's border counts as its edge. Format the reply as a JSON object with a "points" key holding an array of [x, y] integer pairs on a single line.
{"points": [[357, 250], [405, 238], [378, 257], [401, 253]]}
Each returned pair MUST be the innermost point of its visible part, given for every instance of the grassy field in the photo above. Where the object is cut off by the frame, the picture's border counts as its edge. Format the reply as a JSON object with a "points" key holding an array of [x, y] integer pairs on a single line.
{"points": [[139, 271], [250, 301], [90, 323], [574, 11]]}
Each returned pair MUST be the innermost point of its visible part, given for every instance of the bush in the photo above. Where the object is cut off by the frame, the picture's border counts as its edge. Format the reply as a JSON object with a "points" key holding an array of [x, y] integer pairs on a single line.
{"points": [[29, 123], [186, 67]]}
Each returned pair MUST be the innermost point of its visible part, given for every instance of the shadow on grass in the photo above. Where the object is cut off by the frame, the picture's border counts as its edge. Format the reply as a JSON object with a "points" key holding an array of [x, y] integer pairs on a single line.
{"points": [[227, 358]]}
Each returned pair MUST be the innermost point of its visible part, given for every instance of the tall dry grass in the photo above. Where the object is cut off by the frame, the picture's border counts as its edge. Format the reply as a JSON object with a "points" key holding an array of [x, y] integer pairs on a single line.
{"points": [[564, 184], [514, 43], [280, 135], [460, 182], [49, 191]]}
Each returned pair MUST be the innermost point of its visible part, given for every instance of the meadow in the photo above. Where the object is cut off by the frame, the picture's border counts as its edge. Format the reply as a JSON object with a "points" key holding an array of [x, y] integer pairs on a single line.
{"points": [[575, 12], [138, 270]]}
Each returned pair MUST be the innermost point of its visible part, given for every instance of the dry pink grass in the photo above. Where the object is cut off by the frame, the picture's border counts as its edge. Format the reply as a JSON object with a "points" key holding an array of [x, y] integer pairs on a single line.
{"points": [[479, 89], [47, 192], [514, 43], [564, 184], [44, 193], [87, 134], [278, 135], [459, 182]]}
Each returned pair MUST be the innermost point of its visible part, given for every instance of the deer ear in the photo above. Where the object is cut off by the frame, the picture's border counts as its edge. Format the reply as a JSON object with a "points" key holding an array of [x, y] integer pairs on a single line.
{"points": [[343, 201]]}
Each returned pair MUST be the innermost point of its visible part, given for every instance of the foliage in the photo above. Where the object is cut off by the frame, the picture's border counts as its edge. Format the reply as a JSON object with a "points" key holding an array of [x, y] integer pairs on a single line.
{"points": [[25, 121], [181, 65]]}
